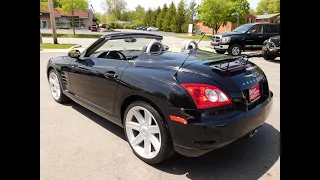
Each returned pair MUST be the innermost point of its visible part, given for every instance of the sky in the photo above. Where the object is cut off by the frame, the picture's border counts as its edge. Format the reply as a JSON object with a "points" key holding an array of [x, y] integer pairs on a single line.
{"points": [[131, 4]]}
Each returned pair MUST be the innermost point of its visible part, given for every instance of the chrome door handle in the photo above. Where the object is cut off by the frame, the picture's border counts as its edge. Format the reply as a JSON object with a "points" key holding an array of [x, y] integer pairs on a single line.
{"points": [[110, 74]]}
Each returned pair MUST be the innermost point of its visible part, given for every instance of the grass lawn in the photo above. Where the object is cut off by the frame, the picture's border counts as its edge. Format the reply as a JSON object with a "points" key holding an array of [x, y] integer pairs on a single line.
{"points": [[73, 36], [196, 37], [56, 46]]}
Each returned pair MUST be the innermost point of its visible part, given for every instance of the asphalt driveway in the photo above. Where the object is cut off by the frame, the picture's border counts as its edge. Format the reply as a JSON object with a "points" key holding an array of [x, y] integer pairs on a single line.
{"points": [[77, 144]]}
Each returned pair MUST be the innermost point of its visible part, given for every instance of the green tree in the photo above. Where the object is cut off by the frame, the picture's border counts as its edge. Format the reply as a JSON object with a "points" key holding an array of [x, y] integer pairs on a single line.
{"points": [[252, 11], [71, 6], [138, 16], [45, 6], [268, 6], [160, 17], [102, 18], [214, 13], [191, 12], [155, 16], [182, 17], [115, 7], [148, 18], [127, 16], [170, 19], [236, 8]]}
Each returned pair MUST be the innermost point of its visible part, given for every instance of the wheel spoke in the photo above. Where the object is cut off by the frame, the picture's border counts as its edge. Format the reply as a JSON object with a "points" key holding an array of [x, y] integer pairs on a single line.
{"points": [[139, 117], [148, 117], [52, 81], [137, 140], [154, 129], [147, 147], [133, 125], [155, 143]]}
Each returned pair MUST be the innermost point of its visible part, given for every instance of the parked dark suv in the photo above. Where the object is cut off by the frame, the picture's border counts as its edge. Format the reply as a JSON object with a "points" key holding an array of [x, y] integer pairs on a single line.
{"points": [[244, 37]]}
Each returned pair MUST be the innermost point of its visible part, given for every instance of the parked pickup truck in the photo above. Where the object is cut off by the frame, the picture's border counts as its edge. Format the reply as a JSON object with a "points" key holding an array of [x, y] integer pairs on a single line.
{"points": [[243, 37]]}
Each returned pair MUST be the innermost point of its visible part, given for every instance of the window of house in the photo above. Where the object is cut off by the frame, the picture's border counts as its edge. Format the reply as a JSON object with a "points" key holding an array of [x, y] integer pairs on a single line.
{"points": [[249, 20], [262, 20]]}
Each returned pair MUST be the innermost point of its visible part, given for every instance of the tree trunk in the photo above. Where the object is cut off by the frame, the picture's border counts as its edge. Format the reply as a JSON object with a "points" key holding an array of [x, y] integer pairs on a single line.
{"points": [[216, 28], [74, 31], [40, 37]]}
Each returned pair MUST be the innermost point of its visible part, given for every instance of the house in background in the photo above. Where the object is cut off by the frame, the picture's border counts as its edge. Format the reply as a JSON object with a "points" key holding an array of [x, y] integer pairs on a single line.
{"points": [[268, 18], [249, 18], [63, 20]]}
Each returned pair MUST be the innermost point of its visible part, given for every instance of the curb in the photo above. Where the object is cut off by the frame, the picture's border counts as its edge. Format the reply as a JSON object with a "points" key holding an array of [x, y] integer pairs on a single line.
{"points": [[76, 46]]}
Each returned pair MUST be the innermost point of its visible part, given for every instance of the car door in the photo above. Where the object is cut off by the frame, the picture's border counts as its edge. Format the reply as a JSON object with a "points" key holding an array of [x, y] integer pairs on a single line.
{"points": [[95, 81], [270, 30], [255, 37]]}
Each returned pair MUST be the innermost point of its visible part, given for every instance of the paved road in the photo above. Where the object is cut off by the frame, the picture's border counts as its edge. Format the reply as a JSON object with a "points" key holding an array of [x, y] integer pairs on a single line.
{"points": [[86, 31], [77, 144]]}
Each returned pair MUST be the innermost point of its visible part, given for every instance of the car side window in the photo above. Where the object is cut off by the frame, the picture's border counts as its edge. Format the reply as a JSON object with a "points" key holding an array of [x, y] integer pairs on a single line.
{"points": [[270, 29], [257, 29]]}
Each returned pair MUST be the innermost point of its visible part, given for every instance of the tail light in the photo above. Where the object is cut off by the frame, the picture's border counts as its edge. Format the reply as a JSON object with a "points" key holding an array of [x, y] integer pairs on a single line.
{"points": [[207, 96]]}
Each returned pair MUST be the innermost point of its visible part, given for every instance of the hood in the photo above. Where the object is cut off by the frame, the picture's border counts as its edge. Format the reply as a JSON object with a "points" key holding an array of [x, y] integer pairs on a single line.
{"points": [[226, 34]]}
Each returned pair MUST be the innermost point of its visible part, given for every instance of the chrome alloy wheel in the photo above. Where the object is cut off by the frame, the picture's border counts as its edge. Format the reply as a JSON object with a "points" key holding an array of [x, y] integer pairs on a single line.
{"points": [[235, 50], [54, 85], [143, 132]]}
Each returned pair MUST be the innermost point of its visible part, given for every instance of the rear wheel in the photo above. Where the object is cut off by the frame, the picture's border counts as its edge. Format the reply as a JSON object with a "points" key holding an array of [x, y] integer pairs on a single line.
{"points": [[221, 51], [147, 133], [234, 50]]}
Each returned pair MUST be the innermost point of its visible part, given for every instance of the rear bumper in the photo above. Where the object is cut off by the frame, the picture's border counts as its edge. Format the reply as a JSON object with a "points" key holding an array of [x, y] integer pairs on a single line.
{"points": [[197, 139]]}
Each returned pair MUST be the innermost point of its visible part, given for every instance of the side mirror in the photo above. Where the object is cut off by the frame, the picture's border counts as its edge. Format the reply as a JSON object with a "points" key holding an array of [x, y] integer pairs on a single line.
{"points": [[74, 53], [166, 48]]}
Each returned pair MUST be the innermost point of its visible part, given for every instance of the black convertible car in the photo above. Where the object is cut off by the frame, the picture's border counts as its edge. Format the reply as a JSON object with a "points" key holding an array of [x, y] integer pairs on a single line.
{"points": [[190, 102]]}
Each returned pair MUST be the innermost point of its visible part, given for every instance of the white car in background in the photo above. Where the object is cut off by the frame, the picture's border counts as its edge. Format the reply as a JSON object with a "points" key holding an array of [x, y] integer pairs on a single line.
{"points": [[152, 29]]}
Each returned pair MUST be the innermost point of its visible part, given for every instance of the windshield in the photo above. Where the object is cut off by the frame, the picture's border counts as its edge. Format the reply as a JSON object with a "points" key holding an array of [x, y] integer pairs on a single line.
{"points": [[124, 44], [243, 28]]}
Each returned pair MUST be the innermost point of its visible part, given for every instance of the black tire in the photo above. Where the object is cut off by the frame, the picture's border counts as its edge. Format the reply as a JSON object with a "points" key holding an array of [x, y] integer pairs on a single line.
{"points": [[231, 50], [220, 51], [166, 149], [268, 57], [63, 98]]}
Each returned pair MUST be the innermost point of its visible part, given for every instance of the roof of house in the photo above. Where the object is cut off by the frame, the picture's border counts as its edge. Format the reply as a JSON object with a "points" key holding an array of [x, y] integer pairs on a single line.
{"points": [[58, 13], [266, 16]]}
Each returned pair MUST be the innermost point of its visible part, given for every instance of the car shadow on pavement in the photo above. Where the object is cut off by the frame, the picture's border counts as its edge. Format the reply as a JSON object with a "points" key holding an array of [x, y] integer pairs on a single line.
{"points": [[113, 128], [277, 61], [246, 158]]}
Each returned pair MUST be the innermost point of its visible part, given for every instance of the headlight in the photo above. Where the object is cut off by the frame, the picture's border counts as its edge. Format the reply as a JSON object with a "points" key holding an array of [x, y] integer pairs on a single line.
{"points": [[225, 39]]}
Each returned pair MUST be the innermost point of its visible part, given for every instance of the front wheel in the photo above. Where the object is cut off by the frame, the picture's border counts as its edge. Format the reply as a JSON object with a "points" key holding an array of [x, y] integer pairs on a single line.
{"points": [[55, 87], [147, 133], [234, 50]]}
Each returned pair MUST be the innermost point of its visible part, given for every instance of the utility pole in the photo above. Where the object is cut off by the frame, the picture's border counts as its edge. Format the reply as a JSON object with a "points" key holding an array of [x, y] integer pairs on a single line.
{"points": [[40, 37], [53, 22], [239, 14]]}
